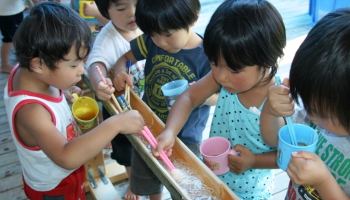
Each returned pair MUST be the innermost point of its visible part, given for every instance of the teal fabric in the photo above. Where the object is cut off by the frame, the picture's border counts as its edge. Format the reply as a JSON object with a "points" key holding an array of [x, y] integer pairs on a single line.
{"points": [[240, 126]]}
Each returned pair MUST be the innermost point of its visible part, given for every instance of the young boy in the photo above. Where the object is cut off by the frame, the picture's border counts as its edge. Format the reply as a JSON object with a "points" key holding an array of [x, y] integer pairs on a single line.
{"points": [[172, 51], [111, 43], [319, 84], [51, 44]]}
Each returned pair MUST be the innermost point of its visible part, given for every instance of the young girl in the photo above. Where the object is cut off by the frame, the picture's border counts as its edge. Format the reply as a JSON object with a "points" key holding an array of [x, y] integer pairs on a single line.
{"points": [[51, 44], [243, 41]]}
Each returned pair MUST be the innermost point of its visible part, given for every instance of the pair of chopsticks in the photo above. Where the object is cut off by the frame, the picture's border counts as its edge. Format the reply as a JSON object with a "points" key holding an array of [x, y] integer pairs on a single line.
{"points": [[117, 108], [153, 142], [127, 88]]}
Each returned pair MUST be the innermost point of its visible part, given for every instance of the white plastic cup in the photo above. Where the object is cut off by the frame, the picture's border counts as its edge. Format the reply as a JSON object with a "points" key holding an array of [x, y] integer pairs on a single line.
{"points": [[172, 90]]}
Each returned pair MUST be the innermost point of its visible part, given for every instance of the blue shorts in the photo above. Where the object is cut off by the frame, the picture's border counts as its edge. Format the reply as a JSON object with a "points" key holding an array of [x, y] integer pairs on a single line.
{"points": [[9, 25]]}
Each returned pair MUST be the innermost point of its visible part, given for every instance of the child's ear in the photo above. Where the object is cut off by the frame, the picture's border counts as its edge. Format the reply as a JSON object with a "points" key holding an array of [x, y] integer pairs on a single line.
{"points": [[36, 65]]}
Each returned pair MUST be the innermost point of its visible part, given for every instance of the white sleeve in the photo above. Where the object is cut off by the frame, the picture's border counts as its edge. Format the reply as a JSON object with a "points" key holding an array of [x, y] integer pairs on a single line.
{"points": [[108, 47]]}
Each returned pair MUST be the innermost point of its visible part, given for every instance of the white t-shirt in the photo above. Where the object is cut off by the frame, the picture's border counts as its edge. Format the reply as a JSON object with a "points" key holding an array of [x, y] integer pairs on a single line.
{"points": [[11, 7], [108, 47]]}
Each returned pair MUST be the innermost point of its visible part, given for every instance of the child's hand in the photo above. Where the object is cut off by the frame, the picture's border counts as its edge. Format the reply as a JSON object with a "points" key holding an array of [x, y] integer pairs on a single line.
{"points": [[279, 103], [104, 91], [301, 169], [242, 162], [131, 122], [166, 141], [121, 79], [73, 89], [90, 9]]}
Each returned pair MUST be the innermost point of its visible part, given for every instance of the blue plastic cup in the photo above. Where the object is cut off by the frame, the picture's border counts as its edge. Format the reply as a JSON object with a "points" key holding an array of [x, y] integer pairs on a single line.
{"points": [[306, 139], [172, 90]]}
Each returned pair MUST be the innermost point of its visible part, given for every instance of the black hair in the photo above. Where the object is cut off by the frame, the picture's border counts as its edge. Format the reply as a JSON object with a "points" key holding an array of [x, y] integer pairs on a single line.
{"points": [[104, 5], [161, 16], [246, 33], [320, 71], [49, 32]]}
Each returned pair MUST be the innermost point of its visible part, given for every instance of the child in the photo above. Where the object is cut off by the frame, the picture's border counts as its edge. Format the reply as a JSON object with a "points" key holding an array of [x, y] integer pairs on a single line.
{"points": [[243, 41], [11, 16], [319, 65], [172, 51], [51, 44], [90, 9], [111, 43]]}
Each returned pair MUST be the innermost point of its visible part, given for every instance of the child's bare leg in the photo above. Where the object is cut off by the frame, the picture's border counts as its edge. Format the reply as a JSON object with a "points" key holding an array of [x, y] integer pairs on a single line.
{"points": [[156, 197], [5, 57], [129, 195]]}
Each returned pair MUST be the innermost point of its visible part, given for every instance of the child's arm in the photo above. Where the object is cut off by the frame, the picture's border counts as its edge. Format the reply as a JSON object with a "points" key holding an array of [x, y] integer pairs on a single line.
{"points": [[193, 97], [35, 128], [211, 101], [103, 91], [302, 171], [278, 104], [120, 73], [90, 9]]}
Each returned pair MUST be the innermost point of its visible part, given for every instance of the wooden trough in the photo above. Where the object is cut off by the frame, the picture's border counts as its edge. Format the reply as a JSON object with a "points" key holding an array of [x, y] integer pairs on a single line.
{"points": [[180, 151]]}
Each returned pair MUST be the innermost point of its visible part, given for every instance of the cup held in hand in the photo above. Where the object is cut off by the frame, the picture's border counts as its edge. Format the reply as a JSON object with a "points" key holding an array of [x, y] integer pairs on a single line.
{"points": [[215, 151], [172, 90], [306, 139], [85, 111]]}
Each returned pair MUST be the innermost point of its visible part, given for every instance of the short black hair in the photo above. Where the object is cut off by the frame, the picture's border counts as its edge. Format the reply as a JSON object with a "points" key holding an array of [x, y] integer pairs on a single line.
{"points": [[49, 32], [104, 5], [320, 71], [246, 33], [161, 16]]}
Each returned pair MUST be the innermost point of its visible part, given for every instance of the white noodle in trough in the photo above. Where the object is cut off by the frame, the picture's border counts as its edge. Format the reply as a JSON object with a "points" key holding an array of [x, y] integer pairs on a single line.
{"points": [[190, 182]]}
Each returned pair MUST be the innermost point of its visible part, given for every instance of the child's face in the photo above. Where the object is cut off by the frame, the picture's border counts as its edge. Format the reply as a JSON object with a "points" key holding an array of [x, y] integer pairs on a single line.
{"points": [[68, 72], [236, 81], [173, 41], [332, 126], [122, 15]]}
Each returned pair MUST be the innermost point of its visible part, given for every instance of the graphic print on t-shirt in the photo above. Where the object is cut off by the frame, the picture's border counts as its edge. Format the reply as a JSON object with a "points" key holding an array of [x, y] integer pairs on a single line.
{"points": [[72, 129], [161, 74]]}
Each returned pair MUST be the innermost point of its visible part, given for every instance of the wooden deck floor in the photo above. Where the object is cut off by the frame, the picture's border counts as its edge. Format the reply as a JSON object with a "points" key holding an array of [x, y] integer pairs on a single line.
{"points": [[297, 22]]}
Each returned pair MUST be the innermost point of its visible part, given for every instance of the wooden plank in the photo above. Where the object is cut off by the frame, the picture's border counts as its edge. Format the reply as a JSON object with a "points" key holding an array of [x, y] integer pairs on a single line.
{"points": [[4, 127], [8, 158], [3, 118], [2, 103], [281, 182], [11, 182], [104, 191], [5, 137], [3, 82], [280, 195], [7, 147], [10, 170], [13, 194]]}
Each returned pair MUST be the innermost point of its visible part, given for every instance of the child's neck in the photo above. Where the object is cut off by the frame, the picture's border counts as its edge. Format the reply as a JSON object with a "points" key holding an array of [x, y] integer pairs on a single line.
{"points": [[128, 35], [29, 81], [256, 96], [193, 41]]}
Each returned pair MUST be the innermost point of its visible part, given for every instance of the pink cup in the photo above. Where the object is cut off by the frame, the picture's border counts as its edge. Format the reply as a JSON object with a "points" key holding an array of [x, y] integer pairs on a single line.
{"points": [[215, 151]]}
